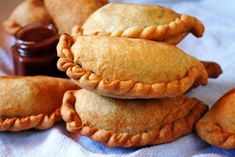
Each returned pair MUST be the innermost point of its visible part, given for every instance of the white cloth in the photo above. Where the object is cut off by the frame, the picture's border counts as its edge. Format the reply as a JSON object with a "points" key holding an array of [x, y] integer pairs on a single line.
{"points": [[218, 44]]}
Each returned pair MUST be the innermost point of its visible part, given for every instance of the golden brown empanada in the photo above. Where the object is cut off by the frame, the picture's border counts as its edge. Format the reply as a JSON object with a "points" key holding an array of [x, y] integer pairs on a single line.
{"points": [[217, 126], [27, 12], [142, 21], [128, 68], [67, 13], [130, 123], [31, 102]]}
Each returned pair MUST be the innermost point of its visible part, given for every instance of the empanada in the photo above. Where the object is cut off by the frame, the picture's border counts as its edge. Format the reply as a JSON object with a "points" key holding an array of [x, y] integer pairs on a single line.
{"points": [[130, 123], [142, 21], [213, 69], [128, 68], [67, 13], [217, 126], [27, 12], [31, 102]]}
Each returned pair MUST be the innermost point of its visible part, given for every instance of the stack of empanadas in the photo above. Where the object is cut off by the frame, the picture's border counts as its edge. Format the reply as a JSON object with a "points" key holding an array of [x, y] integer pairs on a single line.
{"points": [[133, 86], [133, 76]]}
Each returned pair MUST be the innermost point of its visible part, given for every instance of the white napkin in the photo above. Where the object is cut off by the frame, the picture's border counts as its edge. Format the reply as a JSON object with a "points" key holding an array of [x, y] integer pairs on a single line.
{"points": [[218, 44]]}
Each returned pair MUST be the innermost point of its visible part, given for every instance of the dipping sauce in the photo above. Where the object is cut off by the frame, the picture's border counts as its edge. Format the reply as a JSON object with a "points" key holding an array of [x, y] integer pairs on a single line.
{"points": [[37, 34], [34, 51]]}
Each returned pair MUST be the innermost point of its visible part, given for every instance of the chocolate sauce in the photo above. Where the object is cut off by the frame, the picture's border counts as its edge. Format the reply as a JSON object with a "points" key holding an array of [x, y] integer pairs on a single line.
{"points": [[34, 52]]}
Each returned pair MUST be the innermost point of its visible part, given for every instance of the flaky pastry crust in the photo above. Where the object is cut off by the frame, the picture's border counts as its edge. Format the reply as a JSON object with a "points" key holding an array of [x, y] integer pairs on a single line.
{"points": [[128, 88], [142, 21], [31, 102], [130, 123], [217, 126], [27, 12]]}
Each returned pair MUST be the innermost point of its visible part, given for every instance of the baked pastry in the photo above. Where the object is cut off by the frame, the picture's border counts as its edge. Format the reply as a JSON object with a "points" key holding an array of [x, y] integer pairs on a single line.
{"points": [[142, 21], [31, 102], [27, 12], [67, 13], [147, 69], [130, 123], [217, 125], [213, 69]]}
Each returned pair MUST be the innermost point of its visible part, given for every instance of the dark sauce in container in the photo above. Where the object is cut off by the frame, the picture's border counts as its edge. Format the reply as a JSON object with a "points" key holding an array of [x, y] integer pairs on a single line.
{"points": [[34, 51]]}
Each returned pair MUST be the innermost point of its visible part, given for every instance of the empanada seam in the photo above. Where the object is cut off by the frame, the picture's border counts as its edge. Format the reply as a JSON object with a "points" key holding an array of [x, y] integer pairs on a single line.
{"points": [[40, 121], [182, 24], [219, 138], [65, 63]]}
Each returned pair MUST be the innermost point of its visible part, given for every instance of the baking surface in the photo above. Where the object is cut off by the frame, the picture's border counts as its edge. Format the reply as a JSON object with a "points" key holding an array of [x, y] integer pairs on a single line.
{"points": [[217, 44]]}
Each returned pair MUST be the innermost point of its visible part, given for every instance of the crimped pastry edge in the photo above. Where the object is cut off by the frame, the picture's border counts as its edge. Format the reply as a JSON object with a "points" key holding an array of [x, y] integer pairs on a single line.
{"points": [[128, 89], [178, 29], [213, 133], [164, 134], [40, 121]]}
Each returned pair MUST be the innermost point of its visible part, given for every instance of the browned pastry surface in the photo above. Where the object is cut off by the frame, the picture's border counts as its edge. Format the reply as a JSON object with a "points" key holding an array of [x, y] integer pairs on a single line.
{"points": [[217, 126], [142, 21], [128, 68], [31, 102], [27, 12], [130, 123]]}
